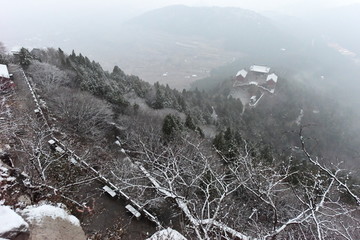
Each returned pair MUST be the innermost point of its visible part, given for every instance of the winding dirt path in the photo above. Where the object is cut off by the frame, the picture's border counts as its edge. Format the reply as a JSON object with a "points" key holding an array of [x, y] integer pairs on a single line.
{"points": [[108, 218]]}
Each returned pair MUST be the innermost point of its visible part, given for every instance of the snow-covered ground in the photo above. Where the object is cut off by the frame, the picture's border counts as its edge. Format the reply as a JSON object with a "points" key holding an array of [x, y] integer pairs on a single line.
{"points": [[299, 118]]}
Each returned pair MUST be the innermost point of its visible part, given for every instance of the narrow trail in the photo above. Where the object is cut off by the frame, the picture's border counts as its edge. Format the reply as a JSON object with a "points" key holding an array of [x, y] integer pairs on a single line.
{"points": [[109, 213]]}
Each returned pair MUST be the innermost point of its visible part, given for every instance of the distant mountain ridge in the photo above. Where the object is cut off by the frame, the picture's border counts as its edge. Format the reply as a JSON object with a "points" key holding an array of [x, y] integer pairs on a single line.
{"points": [[240, 29]]}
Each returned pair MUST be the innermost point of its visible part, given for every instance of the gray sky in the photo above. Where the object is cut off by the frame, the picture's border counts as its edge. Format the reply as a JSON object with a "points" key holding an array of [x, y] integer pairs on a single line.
{"points": [[24, 19], [138, 6]]}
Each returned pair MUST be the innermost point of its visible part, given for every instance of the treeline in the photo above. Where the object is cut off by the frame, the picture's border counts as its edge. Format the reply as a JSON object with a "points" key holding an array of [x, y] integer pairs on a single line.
{"points": [[112, 86], [274, 122]]}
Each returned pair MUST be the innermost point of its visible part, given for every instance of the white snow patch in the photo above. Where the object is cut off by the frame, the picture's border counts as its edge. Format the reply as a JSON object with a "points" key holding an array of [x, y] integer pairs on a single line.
{"points": [[298, 120], [59, 149], [73, 161], [259, 69], [214, 116], [37, 213], [133, 211], [109, 191], [10, 220], [5, 177], [169, 234], [117, 142]]}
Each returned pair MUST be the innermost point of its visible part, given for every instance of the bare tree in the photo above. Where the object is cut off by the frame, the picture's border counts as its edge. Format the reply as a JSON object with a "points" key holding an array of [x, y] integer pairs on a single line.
{"points": [[81, 112], [46, 76], [24, 146], [239, 198], [243, 199]]}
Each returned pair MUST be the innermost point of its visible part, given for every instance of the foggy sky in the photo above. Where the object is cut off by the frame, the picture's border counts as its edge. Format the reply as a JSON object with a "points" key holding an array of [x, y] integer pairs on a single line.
{"points": [[134, 7], [25, 22]]}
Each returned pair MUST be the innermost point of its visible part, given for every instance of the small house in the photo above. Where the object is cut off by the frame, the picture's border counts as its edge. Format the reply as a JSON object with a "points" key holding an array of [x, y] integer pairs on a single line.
{"points": [[252, 84], [271, 81], [241, 75], [5, 81], [240, 78], [4, 73]]}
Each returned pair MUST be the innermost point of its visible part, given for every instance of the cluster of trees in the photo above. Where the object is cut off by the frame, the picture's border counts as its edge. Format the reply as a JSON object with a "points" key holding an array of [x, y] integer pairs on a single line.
{"points": [[237, 185], [89, 76], [245, 192], [273, 122], [173, 128]]}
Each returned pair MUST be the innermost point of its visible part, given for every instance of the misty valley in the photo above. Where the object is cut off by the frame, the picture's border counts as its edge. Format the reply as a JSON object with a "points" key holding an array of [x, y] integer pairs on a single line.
{"points": [[181, 122]]}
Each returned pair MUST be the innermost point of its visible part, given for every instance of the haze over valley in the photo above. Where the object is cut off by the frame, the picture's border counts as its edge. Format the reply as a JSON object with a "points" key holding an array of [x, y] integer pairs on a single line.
{"points": [[177, 45], [180, 119]]}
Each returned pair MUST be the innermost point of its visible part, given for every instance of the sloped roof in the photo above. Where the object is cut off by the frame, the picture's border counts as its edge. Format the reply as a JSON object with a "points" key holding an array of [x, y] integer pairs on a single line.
{"points": [[259, 69], [4, 71], [242, 73], [272, 77]]}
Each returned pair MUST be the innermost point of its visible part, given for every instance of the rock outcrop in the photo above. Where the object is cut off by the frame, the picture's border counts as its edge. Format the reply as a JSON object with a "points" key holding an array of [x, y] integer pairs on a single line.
{"points": [[50, 222], [12, 225]]}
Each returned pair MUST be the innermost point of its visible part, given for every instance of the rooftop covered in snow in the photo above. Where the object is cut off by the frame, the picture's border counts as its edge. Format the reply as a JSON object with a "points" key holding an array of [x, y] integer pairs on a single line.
{"points": [[272, 77], [259, 69], [242, 73], [4, 71]]}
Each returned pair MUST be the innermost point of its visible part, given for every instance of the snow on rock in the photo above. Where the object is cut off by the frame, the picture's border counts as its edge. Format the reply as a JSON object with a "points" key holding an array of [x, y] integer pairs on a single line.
{"points": [[51, 221], [169, 234], [11, 224], [38, 213], [5, 178]]}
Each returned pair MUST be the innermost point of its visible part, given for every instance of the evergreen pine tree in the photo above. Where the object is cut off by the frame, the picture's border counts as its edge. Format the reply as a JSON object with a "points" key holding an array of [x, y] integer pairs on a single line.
{"points": [[219, 142], [171, 126], [189, 123], [159, 97], [24, 57]]}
